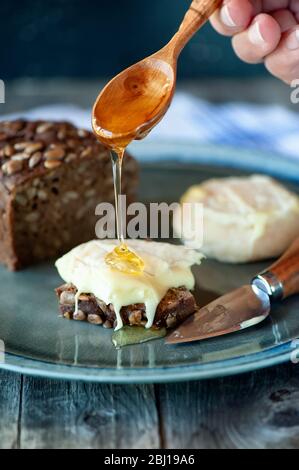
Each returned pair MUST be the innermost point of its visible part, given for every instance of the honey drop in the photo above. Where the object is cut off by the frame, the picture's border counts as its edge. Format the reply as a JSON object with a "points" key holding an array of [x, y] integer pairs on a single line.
{"points": [[124, 260]]}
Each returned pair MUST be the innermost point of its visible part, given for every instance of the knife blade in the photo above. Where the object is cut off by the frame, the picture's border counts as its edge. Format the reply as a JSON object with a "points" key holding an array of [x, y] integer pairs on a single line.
{"points": [[246, 306], [241, 308]]}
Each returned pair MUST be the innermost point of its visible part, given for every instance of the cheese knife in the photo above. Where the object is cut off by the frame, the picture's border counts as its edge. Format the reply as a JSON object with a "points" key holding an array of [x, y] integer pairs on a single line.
{"points": [[246, 306]]}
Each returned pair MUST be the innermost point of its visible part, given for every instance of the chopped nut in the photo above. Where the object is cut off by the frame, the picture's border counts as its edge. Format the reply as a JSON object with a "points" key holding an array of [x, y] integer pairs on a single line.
{"points": [[67, 315], [34, 147], [36, 181], [171, 322], [72, 143], [44, 127], [14, 126], [90, 192], [87, 182], [21, 145], [42, 195], [20, 156], [32, 217], [67, 298], [61, 135], [80, 213], [94, 319], [50, 164], [12, 166], [8, 150], [82, 133], [71, 195], [102, 305], [31, 192], [84, 298], [70, 157], [79, 315], [21, 199], [35, 159], [2, 136], [56, 153], [135, 317], [86, 152], [107, 324]]}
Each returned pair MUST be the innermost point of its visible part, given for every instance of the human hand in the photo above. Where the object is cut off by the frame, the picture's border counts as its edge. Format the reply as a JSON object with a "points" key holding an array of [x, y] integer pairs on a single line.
{"points": [[263, 31]]}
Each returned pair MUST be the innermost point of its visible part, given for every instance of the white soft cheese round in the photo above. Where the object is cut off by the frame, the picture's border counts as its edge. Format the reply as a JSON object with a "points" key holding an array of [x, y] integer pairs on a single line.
{"points": [[244, 218], [166, 266]]}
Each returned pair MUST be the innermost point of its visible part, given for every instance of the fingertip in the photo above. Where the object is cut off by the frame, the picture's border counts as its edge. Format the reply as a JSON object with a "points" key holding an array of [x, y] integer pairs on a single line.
{"points": [[265, 32], [283, 63], [259, 40], [234, 16]]}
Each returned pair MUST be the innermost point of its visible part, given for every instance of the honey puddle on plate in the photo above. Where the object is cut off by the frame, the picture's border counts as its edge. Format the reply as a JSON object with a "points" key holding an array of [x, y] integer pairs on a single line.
{"points": [[130, 335]]}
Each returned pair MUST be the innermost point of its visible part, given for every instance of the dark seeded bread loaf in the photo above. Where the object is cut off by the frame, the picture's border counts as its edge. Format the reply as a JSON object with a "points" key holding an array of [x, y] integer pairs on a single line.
{"points": [[52, 176], [176, 305]]}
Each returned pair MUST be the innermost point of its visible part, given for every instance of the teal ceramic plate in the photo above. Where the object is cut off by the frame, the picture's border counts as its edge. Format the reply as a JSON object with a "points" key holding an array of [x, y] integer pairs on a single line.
{"points": [[37, 342]]}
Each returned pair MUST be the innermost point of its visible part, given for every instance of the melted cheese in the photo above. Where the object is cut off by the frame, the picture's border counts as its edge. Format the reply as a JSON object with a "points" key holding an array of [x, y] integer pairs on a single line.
{"points": [[166, 266]]}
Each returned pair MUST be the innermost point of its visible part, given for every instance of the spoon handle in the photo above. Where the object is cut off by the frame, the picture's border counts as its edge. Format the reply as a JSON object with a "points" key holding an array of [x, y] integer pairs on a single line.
{"points": [[198, 13]]}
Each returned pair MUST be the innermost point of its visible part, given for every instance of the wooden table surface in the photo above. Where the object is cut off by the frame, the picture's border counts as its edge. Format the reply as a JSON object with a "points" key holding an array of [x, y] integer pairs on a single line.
{"points": [[256, 410]]}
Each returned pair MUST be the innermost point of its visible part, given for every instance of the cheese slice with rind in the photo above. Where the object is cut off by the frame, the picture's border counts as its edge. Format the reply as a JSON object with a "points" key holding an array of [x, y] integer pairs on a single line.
{"points": [[244, 218]]}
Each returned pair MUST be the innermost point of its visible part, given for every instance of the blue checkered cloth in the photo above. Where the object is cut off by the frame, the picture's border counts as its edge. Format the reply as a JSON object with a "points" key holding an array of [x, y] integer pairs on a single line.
{"points": [[239, 125]]}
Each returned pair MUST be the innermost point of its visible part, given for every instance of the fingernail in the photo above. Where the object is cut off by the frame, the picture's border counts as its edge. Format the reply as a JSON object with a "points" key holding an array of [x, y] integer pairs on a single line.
{"points": [[226, 18], [255, 35], [292, 41]]}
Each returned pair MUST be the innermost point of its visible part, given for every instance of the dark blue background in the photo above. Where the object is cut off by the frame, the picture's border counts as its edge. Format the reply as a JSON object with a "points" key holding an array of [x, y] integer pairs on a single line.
{"points": [[97, 38]]}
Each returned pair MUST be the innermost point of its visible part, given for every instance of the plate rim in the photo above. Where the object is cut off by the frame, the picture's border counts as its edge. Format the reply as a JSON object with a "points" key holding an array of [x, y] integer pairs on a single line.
{"points": [[228, 367]]}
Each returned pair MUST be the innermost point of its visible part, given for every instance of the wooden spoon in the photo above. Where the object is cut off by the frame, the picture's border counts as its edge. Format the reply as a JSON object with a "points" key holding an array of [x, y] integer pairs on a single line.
{"points": [[136, 100]]}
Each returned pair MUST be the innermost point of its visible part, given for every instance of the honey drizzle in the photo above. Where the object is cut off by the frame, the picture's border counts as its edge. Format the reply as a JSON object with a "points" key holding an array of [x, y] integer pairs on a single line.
{"points": [[117, 156], [121, 258]]}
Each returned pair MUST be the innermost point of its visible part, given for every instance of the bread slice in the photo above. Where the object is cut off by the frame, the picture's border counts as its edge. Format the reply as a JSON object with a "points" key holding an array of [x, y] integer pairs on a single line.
{"points": [[52, 176], [176, 305]]}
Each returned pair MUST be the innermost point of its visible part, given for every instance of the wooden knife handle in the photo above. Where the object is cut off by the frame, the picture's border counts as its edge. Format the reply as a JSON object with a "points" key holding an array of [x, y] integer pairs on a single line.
{"points": [[198, 13], [286, 270], [282, 278]]}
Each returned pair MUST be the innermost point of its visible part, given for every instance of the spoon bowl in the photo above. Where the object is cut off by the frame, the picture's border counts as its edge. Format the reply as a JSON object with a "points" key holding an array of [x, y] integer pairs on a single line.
{"points": [[133, 102]]}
